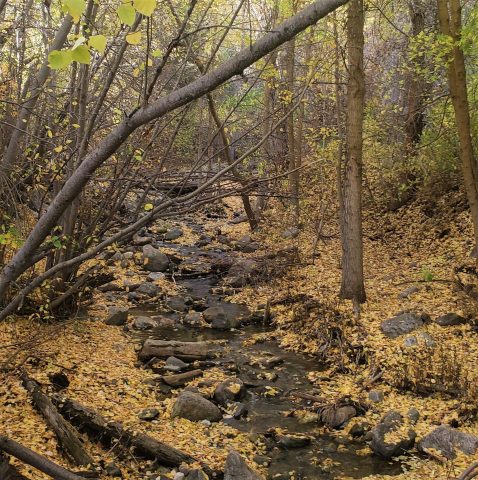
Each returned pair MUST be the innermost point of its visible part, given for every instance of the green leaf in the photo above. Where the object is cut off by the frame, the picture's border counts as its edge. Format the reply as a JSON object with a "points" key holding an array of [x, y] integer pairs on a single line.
{"points": [[75, 8], [81, 54], [126, 14], [98, 42], [59, 59], [146, 7], [148, 207], [156, 53], [133, 38]]}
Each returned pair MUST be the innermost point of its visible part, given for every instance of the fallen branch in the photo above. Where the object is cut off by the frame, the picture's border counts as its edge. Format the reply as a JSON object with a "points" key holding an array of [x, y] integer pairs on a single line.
{"points": [[107, 430], [67, 437], [36, 460], [7, 471], [470, 472]]}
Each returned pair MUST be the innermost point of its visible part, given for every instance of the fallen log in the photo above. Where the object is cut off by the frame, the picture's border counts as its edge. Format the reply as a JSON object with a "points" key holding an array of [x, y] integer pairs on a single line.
{"points": [[7, 471], [180, 379], [36, 460], [186, 351], [106, 431], [65, 433]]}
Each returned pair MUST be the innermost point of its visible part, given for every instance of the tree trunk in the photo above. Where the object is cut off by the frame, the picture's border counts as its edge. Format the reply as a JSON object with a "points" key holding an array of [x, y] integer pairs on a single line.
{"points": [[415, 90], [352, 243], [449, 15]]}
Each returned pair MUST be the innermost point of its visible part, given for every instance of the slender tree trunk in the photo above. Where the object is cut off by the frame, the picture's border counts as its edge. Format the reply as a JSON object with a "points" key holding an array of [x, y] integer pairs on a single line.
{"points": [[32, 91], [449, 15], [415, 89], [352, 243]]}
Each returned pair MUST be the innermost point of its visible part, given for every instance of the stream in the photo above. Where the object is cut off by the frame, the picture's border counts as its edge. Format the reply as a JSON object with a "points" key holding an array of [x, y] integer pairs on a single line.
{"points": [[327, 456]]}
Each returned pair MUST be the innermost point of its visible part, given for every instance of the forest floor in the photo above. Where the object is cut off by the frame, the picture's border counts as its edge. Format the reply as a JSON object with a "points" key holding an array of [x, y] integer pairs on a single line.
{"points": [[416, 260]]}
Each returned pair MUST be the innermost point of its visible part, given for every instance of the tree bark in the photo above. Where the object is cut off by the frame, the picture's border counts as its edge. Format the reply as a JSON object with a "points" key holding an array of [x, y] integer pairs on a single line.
{"points": [[449, 15], [352, 242], [108, 146]]}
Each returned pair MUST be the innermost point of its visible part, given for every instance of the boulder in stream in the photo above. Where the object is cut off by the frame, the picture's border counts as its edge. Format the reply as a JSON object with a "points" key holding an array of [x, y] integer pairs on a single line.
{"points": [[143, 323], [337, 418], [237, 469], [154, 260], [392, 436], [228, 391], [194, 407], [220, 319]]}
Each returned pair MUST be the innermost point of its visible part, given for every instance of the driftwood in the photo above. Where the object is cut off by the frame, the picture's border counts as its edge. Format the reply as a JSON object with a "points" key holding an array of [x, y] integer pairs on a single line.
{"points": [[181, 379], [32, 458], [7, 471], [66, 434], [106, 430], [187, 351]]}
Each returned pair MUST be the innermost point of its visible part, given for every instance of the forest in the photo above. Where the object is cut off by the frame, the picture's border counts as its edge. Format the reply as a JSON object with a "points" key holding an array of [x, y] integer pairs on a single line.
{"points": [[238, 239]]}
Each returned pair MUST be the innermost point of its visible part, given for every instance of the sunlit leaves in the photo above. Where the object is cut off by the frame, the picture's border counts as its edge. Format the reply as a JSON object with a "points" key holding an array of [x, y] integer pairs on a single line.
{"points": [[126, 14], [58, 59], [81, 54], [75, 8], [98, 42], [148, 207], [145, 7], [134, 38]]}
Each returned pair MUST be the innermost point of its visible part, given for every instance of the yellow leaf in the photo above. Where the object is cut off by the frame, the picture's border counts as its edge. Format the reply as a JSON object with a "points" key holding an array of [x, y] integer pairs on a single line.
{"points": [[133, 38]]}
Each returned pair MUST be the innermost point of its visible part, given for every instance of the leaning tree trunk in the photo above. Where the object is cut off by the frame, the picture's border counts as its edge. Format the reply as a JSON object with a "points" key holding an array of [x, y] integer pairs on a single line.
{"points": [[449, 15], [352, 243]]}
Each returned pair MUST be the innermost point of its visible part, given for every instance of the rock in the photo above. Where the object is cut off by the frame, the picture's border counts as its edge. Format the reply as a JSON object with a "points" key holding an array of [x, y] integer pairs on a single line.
{"points": [[240, 410], [181, 379], [148, 414], [381, 442], [330, 447], [192, 318], [246, 245], [422, 338], [113, 470], [194, 407], [228, 391], [141, 241], [154, 260], [293, 441], [177, 304], [220, 319], [336, 418], [447, 441], [179, 476], [131, 285], [401, 324], [154, 276], [408, 292], [164, 322], [197, 475], [173, 364], [117, 316], [291, 232], [360, 429], [144, 323], [189, 351], [173, 234], [149, 289], [450, 319], [237, 469], [307, 418], [241, 272], [413, 415], [111, 287], [128, 255], [375, 396], [262, 460]]}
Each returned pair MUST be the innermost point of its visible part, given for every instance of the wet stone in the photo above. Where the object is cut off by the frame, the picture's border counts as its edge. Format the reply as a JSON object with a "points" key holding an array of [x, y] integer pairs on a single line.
{"points": [[293, 441], [148, 414]]}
